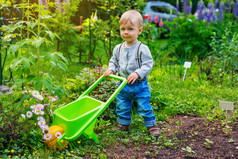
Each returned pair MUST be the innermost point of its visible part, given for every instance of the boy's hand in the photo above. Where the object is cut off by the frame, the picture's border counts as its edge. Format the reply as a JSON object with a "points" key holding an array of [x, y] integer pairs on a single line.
{"points": [[107, 73], [132, 77]]}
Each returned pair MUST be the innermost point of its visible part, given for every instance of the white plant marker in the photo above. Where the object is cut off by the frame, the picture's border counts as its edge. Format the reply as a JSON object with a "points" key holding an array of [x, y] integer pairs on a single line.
{"points": [[186, 65], [226, 106]]}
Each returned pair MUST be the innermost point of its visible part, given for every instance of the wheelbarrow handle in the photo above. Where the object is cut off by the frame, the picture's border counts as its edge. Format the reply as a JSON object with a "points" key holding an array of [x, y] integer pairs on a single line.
{"points": [[124, 81]]}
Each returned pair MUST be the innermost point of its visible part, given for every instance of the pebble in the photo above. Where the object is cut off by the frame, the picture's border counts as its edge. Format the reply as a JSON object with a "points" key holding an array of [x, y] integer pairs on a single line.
{"points": [[4, 88], [237, 147]]}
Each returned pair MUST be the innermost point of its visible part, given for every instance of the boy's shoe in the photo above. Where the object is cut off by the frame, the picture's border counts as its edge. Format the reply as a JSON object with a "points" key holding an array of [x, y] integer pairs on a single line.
{"points": [[155, 131], [121, 127]]}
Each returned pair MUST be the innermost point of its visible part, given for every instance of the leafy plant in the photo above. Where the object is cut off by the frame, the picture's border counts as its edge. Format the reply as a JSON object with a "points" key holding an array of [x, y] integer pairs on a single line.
{"points": [[208, 143], [33, 62], [221, 59], [189, 38], [189, 150]]}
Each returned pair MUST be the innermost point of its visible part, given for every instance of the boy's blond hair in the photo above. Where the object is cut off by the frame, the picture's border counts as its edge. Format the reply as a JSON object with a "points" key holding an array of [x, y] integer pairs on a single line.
{"points": [[132, 16]]}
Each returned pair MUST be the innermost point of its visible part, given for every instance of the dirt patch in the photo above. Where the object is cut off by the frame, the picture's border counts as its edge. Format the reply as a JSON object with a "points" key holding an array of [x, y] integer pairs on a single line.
{"points": [[185, 137]]}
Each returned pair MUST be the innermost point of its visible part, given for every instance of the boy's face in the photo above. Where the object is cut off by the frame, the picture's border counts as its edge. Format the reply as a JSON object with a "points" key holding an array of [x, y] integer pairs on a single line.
{"points": [[129, 32]]}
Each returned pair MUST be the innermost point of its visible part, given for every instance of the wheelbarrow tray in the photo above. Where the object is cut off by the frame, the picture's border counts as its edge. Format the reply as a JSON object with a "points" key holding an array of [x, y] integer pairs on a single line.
{"points": [[79, 117]]}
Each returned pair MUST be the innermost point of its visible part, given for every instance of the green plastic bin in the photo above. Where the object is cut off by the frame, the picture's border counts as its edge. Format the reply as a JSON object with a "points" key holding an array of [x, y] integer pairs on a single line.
{"points": [[79, 117]]}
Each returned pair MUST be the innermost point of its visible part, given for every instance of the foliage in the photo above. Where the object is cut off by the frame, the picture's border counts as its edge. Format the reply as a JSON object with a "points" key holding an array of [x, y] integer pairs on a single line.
{"points": [[106, 27], [31, 54], [100, 33], [221, 58], [228, 22], [190, 38], [149, 35], [71, 42], [119, 7]]}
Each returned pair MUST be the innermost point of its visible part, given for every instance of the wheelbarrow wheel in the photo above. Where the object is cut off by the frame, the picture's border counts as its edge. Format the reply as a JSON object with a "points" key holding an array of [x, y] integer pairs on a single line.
{"points": [[53, 142]]}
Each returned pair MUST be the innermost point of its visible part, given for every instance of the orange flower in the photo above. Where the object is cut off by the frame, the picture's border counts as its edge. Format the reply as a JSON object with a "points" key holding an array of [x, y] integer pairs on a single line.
{"points": [[233, 73]]}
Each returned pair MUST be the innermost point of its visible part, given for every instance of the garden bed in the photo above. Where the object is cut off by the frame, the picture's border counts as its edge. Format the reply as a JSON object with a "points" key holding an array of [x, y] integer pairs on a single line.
{"points": [[180, 132]]}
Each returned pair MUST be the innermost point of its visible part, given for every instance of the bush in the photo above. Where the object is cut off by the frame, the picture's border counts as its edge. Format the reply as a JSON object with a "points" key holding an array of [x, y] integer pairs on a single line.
{"points": [[190, 38]]}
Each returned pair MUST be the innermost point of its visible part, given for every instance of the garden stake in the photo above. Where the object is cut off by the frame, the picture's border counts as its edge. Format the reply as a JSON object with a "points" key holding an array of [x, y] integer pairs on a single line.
{"points": [[186, 65], [226, 106]]}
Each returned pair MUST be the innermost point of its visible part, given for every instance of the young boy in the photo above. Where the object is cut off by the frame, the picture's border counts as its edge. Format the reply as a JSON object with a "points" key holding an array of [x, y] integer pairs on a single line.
{"points": [[133, 60]]}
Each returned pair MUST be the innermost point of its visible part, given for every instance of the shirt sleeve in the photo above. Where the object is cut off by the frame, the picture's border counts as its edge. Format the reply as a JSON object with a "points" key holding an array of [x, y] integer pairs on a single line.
{"points": [[113, 62], [146, 62]]}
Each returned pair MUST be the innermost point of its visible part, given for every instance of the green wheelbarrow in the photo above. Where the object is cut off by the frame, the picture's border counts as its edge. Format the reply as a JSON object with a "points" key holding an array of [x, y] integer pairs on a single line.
{"points": [[79, 117]]}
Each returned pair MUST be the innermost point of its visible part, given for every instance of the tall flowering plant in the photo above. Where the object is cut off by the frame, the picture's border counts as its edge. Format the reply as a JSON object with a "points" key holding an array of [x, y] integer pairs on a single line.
{"points": [[221, 12], [32, 36]]}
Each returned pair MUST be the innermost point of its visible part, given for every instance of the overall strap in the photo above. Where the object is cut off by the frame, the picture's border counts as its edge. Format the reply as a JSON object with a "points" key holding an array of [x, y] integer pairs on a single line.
{"points": [[118, 55], [138, 58]]}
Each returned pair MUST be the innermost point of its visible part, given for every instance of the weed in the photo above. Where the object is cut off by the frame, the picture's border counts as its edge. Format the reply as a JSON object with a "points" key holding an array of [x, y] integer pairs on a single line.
{"points": [[189, 151], [208, 143], [231, 140]]}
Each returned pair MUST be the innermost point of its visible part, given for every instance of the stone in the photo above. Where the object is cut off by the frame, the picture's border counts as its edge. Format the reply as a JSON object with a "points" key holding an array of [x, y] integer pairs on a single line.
{"points": [[4, 88]]}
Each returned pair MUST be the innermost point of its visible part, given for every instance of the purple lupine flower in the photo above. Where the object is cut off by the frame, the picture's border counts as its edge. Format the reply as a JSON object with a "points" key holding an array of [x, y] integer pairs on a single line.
{"points": [[177, 5], [236, 14], [209, 12], [234, 8], [205, 15], [185, 4], [226, 7], [213, 17], [189, 9], [200, 9], [221, 8], [215, 4]]}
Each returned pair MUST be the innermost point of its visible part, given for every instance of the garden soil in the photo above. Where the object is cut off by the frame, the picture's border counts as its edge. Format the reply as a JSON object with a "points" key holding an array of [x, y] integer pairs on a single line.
{"points": [[185, 131]]}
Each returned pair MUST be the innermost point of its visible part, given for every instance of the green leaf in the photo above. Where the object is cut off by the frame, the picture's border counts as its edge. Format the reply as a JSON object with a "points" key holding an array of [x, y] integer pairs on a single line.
{"points": [[53, 64], [51, 35], [16, 62], [14, 48], [62, 66], [38, 83], [57, 36], [37, 42], [62, 57], [31, 24], [48, 84]]}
